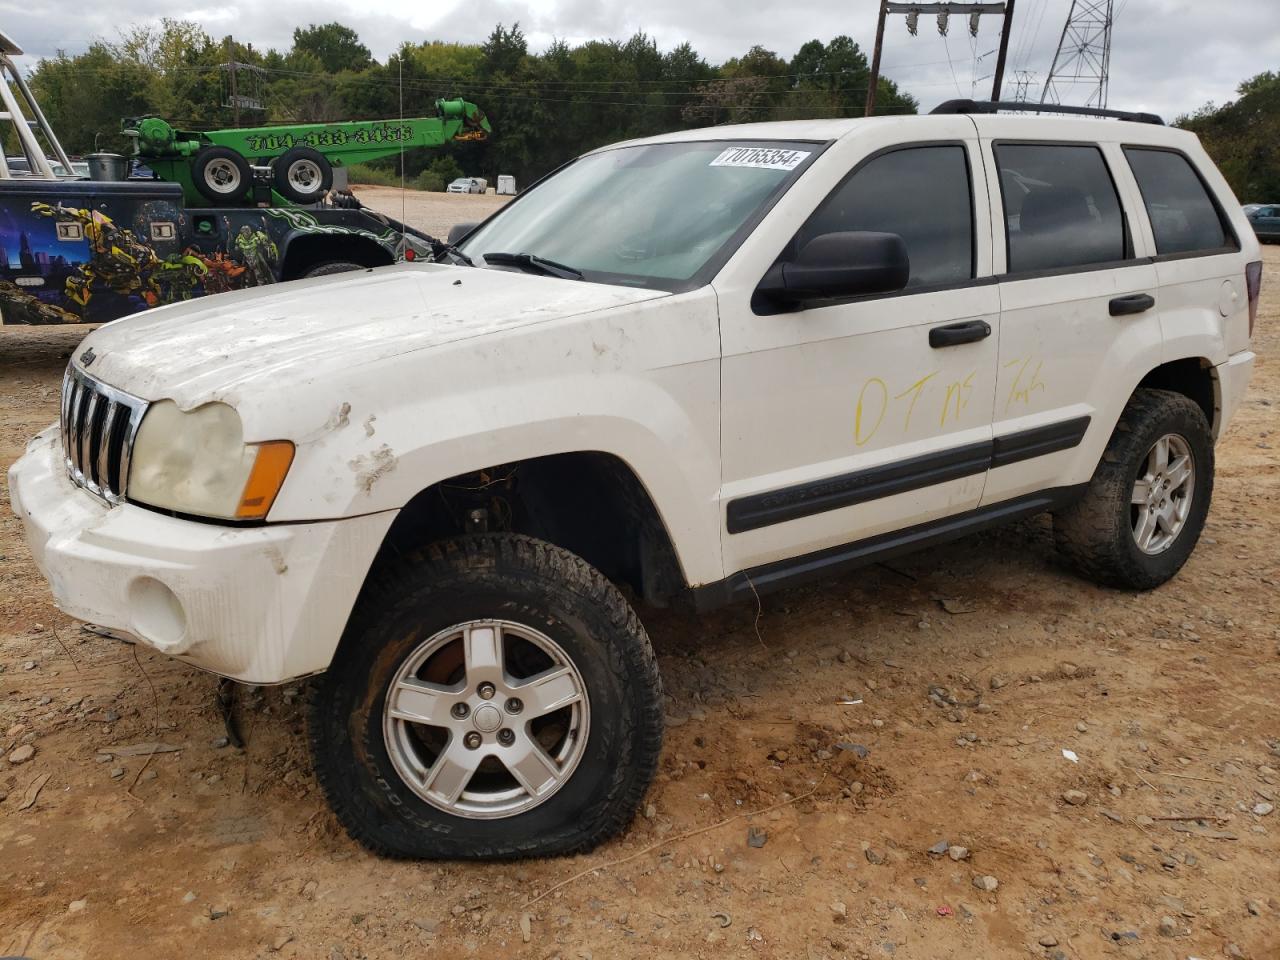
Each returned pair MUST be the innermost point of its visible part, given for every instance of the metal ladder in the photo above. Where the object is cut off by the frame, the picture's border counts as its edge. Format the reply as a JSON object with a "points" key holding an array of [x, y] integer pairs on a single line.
{"points": [[12, 104]]}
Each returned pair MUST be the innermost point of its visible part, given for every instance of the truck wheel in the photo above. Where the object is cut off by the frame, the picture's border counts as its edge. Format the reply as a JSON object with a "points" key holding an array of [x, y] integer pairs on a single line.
{"points": [[302, 175], [221, 174], [1148, 499], [493, 697], [333, 266]]}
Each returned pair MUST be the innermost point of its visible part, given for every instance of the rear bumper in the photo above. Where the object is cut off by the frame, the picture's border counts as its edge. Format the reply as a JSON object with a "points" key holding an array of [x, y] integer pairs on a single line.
{"points": [[1233, 381], [259, 604]]}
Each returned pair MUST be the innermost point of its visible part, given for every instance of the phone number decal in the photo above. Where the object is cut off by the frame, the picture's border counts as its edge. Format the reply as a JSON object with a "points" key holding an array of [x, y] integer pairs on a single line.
{"points": [[332, 137]]}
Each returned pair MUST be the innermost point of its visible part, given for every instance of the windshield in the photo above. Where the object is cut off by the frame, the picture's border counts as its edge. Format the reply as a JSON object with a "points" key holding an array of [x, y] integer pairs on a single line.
{"points": [[655, 215]]}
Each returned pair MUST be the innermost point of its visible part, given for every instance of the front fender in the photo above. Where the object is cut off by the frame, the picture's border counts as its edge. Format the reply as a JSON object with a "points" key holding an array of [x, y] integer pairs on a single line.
{"points": [[641, 384]]}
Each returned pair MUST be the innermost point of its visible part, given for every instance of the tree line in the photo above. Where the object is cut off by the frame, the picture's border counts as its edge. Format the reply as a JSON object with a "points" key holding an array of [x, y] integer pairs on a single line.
{"points": [[1243, 137], [546, 108]]}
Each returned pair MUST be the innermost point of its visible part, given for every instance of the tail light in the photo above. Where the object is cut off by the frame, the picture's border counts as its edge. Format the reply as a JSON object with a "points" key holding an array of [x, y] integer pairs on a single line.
{"points": [[1253, 284]]}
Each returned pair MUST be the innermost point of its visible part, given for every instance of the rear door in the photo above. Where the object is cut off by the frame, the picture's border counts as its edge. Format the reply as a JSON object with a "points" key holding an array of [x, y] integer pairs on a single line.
{"points": [[1078, 305]]}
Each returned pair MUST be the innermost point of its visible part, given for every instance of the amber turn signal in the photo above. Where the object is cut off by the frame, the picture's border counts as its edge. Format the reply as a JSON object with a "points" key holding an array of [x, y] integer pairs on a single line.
{"points": [[265, 479]]}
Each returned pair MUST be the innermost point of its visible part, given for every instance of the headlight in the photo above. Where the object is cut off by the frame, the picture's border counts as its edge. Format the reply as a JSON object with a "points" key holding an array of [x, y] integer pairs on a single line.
{"points": [[197, 462]]}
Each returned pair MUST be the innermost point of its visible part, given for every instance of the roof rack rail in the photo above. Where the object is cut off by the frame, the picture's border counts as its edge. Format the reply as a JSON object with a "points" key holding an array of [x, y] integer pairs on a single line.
{"points": [[1019, 106]]}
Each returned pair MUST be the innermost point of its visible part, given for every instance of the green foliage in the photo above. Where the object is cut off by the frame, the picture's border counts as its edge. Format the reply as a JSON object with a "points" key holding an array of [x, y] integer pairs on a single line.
{"points": [[427, 180], [366, 175], [546, 108], [335, 46], [1243, 137]]}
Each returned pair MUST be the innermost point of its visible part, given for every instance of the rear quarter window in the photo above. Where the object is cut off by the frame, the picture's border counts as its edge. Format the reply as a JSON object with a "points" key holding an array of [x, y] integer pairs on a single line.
{"points": [[1184, 217]]}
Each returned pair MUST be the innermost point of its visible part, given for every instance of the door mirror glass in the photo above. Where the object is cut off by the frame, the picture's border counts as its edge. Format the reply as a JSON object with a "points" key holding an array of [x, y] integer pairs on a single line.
{"points": [[835, 265]]}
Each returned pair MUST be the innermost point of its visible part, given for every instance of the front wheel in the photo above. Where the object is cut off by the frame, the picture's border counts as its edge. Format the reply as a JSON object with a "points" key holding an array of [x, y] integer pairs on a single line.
{"points": [[1147, 502], [493, 697], [326, 269]]}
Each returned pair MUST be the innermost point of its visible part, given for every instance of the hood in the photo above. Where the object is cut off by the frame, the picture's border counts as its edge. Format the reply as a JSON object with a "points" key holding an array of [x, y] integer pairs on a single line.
{"points": [[217, 347]]}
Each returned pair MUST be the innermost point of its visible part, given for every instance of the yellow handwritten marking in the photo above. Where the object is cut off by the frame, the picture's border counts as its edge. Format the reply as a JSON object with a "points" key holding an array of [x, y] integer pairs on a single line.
{"points": [[916, 389], [1020, 390], [858, 437], [961, 390]]}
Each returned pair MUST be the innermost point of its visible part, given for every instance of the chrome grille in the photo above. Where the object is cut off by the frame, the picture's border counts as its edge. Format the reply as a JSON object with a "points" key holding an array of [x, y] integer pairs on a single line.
{"points": [[99, 424]]}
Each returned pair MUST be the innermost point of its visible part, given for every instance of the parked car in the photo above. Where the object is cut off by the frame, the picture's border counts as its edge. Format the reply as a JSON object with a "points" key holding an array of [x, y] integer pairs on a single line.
{"points": [[21, 166], [468, 185], [1265, 219], [698, 368]]}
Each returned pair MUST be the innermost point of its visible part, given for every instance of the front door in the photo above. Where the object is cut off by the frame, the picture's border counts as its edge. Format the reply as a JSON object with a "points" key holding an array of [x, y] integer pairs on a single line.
{"points": [[841, 421]]}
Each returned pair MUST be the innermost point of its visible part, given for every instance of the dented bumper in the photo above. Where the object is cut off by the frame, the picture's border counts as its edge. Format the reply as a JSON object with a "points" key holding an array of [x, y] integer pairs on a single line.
{"points": [[259, 604]]}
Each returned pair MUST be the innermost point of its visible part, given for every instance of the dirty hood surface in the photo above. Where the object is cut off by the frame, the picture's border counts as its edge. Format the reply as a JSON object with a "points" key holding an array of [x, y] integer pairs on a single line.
{"points": [[221, 346]]}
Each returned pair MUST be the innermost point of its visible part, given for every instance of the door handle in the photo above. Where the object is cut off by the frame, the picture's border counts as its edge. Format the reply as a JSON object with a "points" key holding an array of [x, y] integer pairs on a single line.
{"points": [[956, 333], [1133, 304]]}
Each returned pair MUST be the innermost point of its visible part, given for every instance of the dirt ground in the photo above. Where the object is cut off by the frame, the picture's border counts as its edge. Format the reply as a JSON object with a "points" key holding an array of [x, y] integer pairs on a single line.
{"points": [[432, 213], [971, 670]]}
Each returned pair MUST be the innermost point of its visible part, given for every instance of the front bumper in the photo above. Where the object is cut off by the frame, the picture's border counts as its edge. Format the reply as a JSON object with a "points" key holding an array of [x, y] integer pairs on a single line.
{"points": [[259, 604]]}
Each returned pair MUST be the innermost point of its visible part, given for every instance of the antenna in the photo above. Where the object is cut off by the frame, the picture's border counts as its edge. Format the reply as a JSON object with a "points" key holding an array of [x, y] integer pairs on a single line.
{"points": [[404, 237], [1084, 53]]}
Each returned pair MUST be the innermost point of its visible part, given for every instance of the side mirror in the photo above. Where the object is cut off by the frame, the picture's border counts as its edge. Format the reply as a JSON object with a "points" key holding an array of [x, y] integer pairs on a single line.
{"points": [[835, 265], [460, 230]]}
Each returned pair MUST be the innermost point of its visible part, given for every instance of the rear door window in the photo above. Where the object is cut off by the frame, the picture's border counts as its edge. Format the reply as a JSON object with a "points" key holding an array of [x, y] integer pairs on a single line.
{"points": [[1183, 216], [1061, 209], [923, 194]]}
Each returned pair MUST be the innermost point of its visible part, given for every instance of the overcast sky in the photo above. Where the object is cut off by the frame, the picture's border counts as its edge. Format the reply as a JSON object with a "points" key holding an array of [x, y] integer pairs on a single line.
{"points": [[1169, 56]]}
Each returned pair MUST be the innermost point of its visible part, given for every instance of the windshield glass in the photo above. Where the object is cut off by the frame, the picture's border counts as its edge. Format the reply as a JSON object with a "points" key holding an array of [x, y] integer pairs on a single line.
{"points": [[653, 215]]}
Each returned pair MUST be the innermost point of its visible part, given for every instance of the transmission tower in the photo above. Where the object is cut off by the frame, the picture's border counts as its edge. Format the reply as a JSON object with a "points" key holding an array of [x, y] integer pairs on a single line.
{"points": [[1023, 81], [1084, 53]]}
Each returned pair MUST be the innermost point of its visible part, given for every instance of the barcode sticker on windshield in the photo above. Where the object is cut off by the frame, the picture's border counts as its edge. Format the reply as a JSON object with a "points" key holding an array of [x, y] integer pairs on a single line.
{"points": [[761, 158]]}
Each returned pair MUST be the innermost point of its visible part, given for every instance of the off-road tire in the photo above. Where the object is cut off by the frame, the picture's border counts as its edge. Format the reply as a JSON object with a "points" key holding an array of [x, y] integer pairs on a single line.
{"points": [[332, 266], [1095, 534], [208, 156], [515, 578]]}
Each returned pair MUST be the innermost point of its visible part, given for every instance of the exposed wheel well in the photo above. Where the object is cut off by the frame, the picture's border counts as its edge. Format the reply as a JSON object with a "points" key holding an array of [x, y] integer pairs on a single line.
{"points": [[1193, 377], [589, 503], [305, 252]]}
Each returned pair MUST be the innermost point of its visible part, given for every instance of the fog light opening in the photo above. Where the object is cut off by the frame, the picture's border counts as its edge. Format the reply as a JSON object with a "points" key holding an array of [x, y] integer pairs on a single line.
{"points": [[158, 617]]}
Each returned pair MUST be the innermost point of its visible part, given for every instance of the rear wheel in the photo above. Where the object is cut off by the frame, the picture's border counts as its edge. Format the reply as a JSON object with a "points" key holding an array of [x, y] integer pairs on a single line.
{"points": [[302, 175], [221, 174], [1148, 499], [494, 697]]}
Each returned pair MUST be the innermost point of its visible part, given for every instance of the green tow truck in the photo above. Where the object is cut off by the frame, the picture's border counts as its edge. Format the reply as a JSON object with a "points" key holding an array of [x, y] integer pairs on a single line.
{"points": [[292, 164], [221, 210]]}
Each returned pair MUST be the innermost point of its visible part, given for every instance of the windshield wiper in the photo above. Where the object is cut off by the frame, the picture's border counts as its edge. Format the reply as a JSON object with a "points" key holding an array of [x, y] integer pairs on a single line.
{"points": [[532, 262], [442, 248]]}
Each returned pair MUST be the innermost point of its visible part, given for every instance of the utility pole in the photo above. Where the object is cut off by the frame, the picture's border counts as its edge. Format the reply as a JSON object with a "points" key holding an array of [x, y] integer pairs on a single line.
{"points": [[231, 70], [943, 11], [1005, 30], [874, 81]]}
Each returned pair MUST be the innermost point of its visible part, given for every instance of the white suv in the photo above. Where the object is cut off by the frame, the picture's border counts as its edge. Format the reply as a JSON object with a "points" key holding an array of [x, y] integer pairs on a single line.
{"points": [[703, 365]]}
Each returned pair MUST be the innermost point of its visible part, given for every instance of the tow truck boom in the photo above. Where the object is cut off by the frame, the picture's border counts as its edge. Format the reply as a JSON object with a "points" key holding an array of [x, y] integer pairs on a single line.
{"points": [[296, 159]]}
